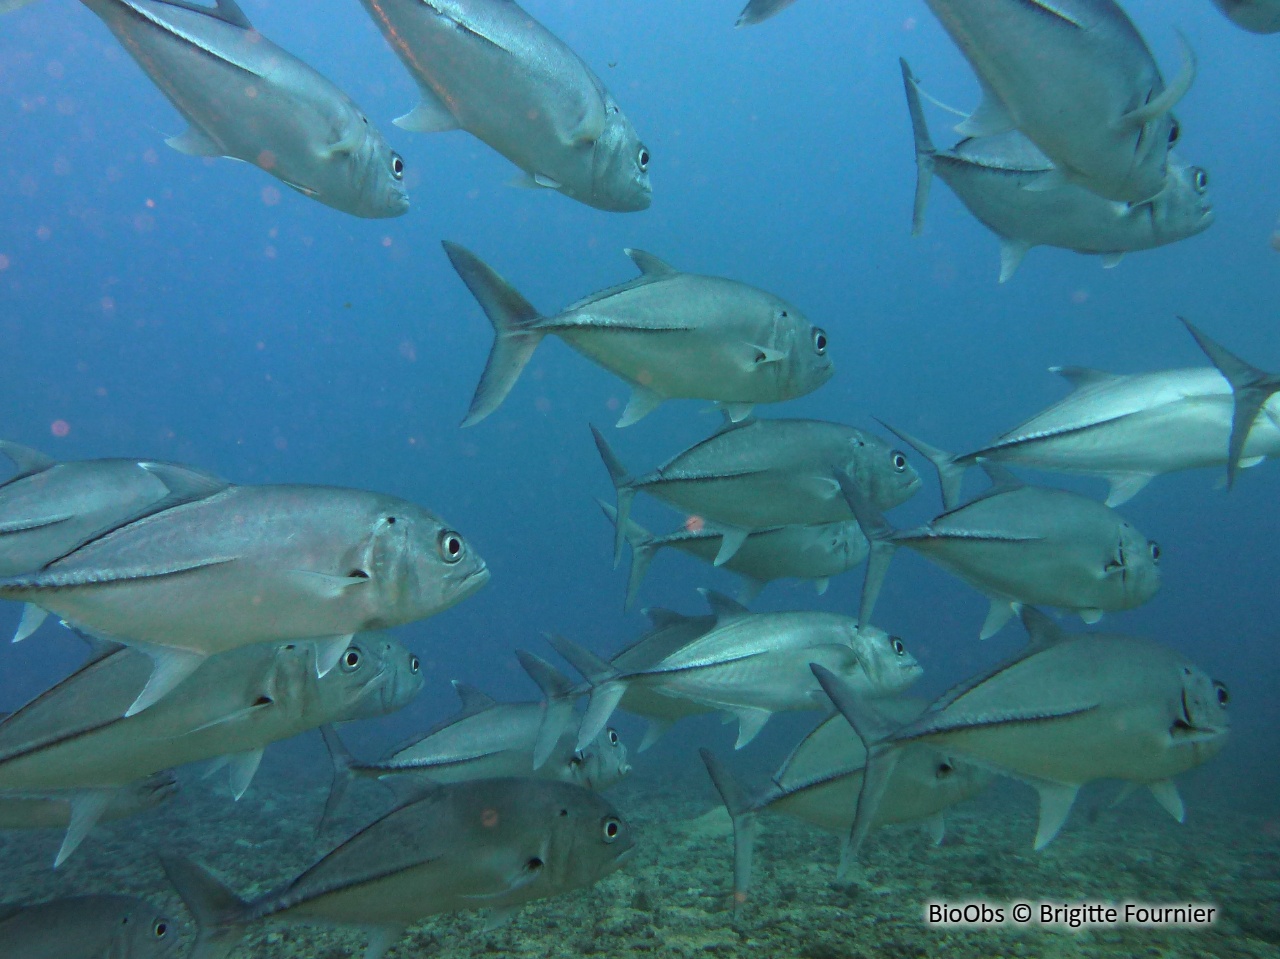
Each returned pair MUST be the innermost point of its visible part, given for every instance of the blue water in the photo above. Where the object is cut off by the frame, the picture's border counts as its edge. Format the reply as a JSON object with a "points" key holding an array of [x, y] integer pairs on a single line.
{"points": [[169, 307]]}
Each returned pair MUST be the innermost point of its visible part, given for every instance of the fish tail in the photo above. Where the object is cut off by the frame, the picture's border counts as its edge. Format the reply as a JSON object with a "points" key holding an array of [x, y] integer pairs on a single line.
{"points": [[626, 492], [743, 814], [880, 540], [951, 468], [882, 758], [220, 915], [513, 319], [558, 697], [1250, 390], [643, 547], [343, 775], [607, 686], [925, 149]]}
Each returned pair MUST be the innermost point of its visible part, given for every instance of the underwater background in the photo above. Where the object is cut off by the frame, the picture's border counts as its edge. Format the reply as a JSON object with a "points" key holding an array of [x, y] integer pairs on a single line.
{"points": [[162, 306]]}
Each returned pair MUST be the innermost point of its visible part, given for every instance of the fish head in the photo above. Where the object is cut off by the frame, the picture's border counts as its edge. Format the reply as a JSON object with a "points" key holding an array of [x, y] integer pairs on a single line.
{"points": [[1200, 720], [1182, 209], [365, 177], [882, 472], [602, 763], [1134, 567], [144, 933], [886, 664], [375, 676], [587, 839], [417, 565], [619, 166], [806, 346]]}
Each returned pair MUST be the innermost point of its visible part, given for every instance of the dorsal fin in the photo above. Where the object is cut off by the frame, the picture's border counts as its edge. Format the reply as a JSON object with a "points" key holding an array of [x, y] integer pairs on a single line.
{"points": [[1042, 632], [25, 459], [648, 264], [473, 700], [1081, 376], [662, 618], [1002, 480], [228, 11], [723, 606]]}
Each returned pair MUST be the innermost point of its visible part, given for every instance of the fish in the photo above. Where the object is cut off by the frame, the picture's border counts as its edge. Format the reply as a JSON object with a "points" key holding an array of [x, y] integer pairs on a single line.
{"points": [[762, 473], [496, 843], [54, 809], [1077, 78], [1256, 16], [750, 666], [488, 740], [75, 739], [248, 99], [757, 11], [120, 927], [991, 176], [1131, 428], [670, 335], [256, 564], [820, 781], [488, 67], [802, 552], [1068, 709], [1020, 545]]}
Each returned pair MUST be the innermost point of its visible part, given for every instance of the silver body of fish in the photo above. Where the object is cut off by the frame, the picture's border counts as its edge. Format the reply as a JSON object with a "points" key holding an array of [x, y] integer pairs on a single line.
{"points": [[780, 552], [757, 11], [752, 665], [498, 843], [1070, 709], [487, 67], [991, 176], [822, 778], [1077, 78], [257, 564], [1256, 16], [670, 335], [86, 927], [247, 99], [762, 473], [48, 509]]}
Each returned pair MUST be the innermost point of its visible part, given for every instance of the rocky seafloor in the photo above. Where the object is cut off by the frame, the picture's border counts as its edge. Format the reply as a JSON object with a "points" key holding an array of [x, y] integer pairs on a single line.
{"points": [[672, 899]]}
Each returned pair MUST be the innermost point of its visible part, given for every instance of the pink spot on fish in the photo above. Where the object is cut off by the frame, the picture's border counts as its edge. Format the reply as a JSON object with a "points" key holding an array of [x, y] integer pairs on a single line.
{"points": [[59, 428]]}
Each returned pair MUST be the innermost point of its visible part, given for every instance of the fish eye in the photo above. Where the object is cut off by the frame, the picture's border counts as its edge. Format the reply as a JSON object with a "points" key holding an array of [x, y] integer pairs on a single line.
{"points": [[160, 929], [450, 546], [611, 829], [945, 769], [574, 762], [899, 462], [351, 658], [898, 646], [1155, 552], [643, 160], [819, 340], [534, 864], [1201, 180], [414, 664], [1224, 696], [1175, 130], [613, 737], [397, 166], [391, 521]]}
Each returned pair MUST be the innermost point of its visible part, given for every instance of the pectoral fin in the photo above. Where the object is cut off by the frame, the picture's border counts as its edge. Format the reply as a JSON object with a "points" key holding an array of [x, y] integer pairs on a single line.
{"points": [[731, 540], [171, 667], [935, 827], [1090, 616], [1111, 260], [653, 732], [1166, 794], [242, 767], [750, 722], [329, 650], [381, 938], [1048, 180], [429, 116], [643, 402], [1012, 253], [33, 617], [194, 142], [87, 808], [1125, 486], [1000, 612], [737, 412], [991, 117], [1055, 806]]}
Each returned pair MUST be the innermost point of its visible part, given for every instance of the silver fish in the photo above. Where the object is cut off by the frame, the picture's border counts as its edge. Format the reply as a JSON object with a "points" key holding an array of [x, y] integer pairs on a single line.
{"points": [[1131, 428], [820, 782], [256, 564], [247, 99], [780, 552], [1019, 544], [991, 174], [762, 473], [1077, 78], [498, 843], [86, 927], [757, 11], [489, 68], [75, 739], [1256, 16], [56, 808], [1071, 708], [670, 335], [750, 666]]}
